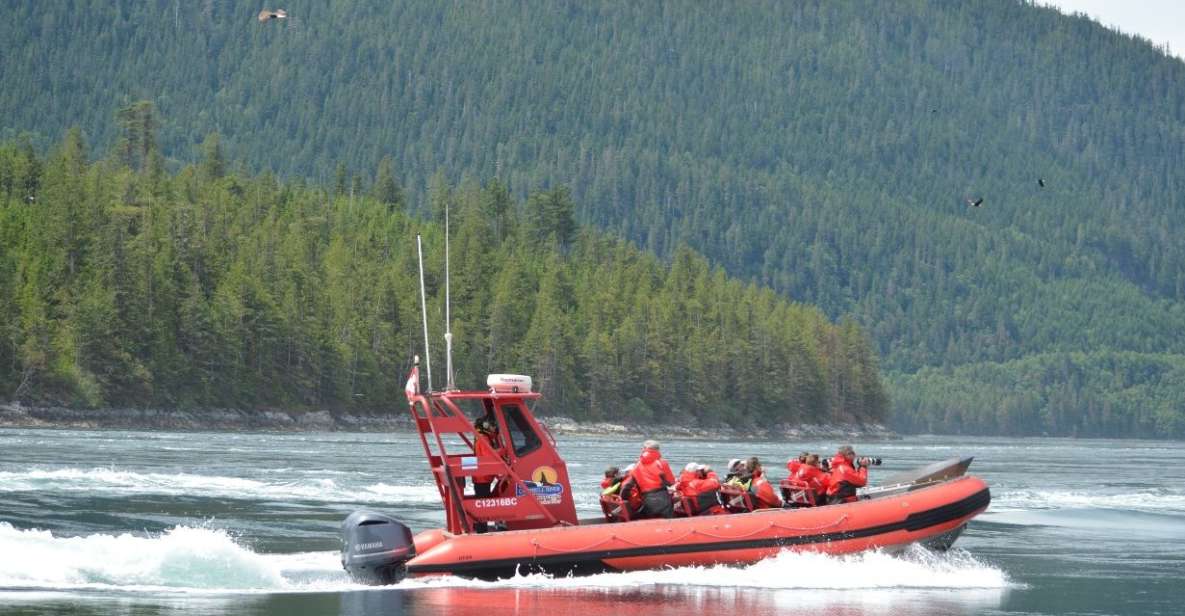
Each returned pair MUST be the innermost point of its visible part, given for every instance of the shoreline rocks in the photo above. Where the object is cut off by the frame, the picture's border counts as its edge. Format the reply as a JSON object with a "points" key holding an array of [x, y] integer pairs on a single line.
{"points": [[15, 415]]}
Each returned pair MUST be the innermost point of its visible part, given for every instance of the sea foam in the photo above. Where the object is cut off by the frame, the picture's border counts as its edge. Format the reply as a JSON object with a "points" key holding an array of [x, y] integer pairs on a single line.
{"points": [[267, 487], [183, 558], [1149, 500], [915, 568], [187, 559]]}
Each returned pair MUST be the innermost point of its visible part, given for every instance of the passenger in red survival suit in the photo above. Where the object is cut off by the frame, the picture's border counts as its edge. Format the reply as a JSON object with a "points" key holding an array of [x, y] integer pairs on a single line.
{"points": [[652, 475], [845, 477], [704, 491], [815, 479], [764, 496], [486, 447]]}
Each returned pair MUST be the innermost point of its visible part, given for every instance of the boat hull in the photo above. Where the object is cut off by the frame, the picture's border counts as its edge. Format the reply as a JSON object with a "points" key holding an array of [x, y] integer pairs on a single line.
{"points": [[932, 515]]}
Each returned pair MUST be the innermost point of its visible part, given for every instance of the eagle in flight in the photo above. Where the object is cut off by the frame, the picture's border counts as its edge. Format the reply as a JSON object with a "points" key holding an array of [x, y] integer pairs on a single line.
{"points": [[266, 15]]}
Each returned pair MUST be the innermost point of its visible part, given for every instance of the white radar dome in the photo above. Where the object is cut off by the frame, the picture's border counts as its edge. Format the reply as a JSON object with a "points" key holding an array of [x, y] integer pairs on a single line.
{"points": [[509, 383]]}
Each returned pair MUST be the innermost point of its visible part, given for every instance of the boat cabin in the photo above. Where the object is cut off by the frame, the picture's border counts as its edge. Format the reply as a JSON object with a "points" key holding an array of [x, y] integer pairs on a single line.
{"points": [[529, 487]]}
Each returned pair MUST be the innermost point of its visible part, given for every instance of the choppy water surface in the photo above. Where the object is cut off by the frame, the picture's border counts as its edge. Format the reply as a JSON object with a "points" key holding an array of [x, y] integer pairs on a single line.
{"points": [[106, 522]]}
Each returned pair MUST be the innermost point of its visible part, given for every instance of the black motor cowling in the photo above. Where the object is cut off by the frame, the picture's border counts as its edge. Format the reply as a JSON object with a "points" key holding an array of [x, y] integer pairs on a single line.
{"points": [[376, 548]]}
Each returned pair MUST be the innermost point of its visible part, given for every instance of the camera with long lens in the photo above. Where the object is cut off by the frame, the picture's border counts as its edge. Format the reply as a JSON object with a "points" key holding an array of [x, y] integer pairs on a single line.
{"points": [[867, 461]]}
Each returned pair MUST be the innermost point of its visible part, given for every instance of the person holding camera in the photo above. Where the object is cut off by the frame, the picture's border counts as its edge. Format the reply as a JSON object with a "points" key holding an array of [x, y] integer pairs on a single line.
{"points": [[847, 473]]}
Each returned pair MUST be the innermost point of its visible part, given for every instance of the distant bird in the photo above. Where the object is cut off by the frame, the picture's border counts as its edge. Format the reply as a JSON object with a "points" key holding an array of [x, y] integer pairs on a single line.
{"points": [[266, 15], [933, 111], [30, 198], [1041, 182], [976, 203]]}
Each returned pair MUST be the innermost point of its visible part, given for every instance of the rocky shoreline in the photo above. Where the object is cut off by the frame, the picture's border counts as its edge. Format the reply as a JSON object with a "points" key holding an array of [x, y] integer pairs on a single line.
{"points": [[15, 415]]}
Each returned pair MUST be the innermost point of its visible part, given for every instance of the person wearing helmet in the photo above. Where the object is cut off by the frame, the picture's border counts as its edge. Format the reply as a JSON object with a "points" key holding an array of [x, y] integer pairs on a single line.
{"points": [[486, 448], [736, 469], [738, 474], [651, 476]]}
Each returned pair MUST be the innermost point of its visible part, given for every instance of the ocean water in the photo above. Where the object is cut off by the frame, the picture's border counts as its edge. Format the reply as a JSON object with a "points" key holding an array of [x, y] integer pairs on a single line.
{"points": [[114, 522]]}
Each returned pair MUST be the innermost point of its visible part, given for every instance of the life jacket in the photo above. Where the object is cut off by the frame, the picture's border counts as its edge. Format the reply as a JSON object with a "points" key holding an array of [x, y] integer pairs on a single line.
{"points": [[741, 481], [651, 472], [629, 491], [705, 493], [793, 465], [814, 478], [764, 496], [683, 486], [486, 452]]}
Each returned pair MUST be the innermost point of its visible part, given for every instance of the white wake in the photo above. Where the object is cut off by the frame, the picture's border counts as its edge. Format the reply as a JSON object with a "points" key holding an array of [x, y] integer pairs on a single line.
{"points": [[186, 559]]}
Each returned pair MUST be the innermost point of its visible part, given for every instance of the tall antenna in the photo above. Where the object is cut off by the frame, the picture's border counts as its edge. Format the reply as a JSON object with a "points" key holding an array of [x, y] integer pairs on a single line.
{"points": [[424, 313], [448, 323]]}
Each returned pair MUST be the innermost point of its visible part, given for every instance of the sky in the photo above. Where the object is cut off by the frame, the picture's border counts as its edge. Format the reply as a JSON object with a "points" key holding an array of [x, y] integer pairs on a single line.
{"points": [[1161, 21]]}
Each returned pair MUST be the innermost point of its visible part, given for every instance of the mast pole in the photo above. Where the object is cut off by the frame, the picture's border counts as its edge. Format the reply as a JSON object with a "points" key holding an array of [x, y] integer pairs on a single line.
{"points": [[448, 323], [424, 312]]}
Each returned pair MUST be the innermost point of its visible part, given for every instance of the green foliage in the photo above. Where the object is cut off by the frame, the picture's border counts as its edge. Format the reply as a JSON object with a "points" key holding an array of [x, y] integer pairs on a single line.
{"points": [[212, 289], [821, 149], [1059, 394]]}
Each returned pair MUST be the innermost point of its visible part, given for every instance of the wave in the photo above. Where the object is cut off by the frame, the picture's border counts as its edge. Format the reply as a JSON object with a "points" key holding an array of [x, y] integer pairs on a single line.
{"points": [[111, 481], [180, 559], [916, 568], [186, 559], [1149, 500]]}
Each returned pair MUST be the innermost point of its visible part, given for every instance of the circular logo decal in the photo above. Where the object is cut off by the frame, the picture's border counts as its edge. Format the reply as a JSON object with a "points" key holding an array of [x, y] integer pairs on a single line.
{"points": [[544, 475]]}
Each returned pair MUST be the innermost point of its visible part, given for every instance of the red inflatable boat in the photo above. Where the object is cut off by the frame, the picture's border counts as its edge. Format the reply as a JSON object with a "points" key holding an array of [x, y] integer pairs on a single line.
{"points": [[532, 522]]}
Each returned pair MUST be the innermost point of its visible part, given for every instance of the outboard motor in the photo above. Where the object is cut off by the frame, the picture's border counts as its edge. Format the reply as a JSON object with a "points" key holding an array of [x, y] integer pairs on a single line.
{"points": [[375, 548]]}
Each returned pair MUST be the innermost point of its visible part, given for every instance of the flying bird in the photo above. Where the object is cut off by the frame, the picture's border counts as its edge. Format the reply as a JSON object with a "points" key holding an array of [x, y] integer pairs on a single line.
{"points": [[976, 203], [1041, 182], [266, 15]]}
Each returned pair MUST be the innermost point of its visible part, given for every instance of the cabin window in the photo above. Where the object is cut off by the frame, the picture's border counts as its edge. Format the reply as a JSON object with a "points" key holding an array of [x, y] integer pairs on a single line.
{"points": [[522, 436]]}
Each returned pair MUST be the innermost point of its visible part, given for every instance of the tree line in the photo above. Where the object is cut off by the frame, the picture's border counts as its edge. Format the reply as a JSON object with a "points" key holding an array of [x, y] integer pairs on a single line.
{"points": [[125, 284]]}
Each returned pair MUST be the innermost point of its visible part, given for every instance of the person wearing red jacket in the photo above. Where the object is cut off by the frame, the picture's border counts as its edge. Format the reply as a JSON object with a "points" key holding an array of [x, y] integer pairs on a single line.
{"points": [[683, 486], [704, 491], [628, 489], [845, 477], [689, 474], [815, 479], [796, 463], [651, 476], [764, 495], [486, 448]]}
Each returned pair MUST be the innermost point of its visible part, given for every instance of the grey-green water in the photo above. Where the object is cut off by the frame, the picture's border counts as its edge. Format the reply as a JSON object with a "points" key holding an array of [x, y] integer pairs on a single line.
{"points": [[106, 522]]}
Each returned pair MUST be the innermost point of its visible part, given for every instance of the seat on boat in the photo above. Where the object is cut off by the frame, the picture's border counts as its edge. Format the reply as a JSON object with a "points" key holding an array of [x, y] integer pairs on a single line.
{"points": [[736, 499], [616, 509], [797, 493]]}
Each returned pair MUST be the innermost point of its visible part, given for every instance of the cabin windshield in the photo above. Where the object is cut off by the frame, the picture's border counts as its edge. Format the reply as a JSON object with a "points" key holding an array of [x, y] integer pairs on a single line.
{"points": [[522, 436]]}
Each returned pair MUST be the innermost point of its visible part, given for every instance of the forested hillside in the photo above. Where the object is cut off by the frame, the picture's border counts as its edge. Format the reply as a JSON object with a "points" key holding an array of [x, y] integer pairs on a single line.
{"points": [[122, 284], [823, 149]]}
